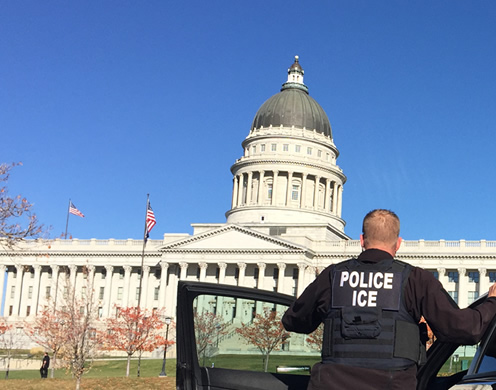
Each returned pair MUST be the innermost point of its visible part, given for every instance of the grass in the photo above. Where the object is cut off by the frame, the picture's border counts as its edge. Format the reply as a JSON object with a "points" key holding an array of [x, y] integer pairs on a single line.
{"points": [[104, 375]]}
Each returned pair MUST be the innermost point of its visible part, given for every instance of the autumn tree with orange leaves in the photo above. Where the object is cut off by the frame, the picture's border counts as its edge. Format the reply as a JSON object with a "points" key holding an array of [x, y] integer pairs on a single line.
{"points": [[17, 221], [315, 338], [49, 331], [134, 330], [266, 332], [208, 328], [6, 342]]}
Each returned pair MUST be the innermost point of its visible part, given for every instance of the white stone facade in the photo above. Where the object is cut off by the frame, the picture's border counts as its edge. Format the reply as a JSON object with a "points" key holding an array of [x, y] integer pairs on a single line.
{"points": [[284, 226]]}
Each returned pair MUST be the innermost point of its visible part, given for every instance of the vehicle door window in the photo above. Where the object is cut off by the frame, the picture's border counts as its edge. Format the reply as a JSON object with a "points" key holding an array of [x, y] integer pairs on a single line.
{"points": [[244, 334]]}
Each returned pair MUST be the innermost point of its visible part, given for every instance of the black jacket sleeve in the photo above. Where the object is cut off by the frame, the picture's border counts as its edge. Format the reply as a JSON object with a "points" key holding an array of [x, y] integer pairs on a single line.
{"points": [[425, 296], [309, 310]]}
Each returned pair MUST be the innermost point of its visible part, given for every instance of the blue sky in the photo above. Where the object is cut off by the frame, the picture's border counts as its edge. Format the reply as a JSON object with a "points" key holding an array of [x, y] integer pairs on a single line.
{"points": [[106, 101]]}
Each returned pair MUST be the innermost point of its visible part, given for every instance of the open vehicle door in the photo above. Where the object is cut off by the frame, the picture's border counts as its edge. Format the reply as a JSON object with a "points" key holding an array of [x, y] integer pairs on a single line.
{"points": [[211, 352]]}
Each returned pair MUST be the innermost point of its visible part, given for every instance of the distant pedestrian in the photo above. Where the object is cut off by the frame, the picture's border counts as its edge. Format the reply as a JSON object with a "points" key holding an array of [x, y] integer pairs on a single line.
{"points": [[44, 366]]}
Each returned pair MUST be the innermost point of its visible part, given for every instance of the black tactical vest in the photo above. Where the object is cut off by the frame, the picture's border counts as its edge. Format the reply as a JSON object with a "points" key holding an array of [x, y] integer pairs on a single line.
{"points": [[367, 324]]}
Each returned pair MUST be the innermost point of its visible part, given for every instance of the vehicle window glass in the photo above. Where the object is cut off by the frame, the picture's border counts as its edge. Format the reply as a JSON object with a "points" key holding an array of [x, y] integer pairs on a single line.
{"points": [[488, 361], [245, 334], [460, 360]]}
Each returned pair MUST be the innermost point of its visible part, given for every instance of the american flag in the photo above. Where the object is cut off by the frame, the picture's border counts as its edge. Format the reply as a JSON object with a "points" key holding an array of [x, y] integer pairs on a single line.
{"points": [[73, 210], [150, 220]]}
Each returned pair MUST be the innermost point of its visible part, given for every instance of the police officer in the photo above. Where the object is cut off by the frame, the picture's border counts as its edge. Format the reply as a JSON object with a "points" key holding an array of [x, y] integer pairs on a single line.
{"points": [[371, 307]]}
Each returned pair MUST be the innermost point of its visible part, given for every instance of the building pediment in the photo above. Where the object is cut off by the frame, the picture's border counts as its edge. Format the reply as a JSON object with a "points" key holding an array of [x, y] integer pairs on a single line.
{"points": [[231, 238]]}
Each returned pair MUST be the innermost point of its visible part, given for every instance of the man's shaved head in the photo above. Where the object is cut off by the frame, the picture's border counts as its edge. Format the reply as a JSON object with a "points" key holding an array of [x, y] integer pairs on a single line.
{"points": [[380, 228]]}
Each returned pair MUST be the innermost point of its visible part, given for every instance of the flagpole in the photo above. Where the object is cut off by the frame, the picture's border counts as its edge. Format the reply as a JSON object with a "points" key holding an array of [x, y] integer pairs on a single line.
{"points": [[67, 222], [143, 251]]}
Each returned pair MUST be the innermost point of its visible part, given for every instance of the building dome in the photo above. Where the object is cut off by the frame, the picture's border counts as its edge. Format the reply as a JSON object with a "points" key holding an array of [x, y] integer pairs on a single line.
{"points": [[293, 106]]}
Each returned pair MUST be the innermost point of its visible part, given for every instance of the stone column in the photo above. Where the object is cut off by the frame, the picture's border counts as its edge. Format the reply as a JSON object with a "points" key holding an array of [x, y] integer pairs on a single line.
{"points": [[274, 188], [144, 286], [261, 275], [184, 270], [340, 201], [3, 269], [242, 269], [335, 199], [234, 201], [18, 289], [248, 188], [36, 289], [73, 271], [203, 271], [127, 285], [442, 277], [316, 193], [462, 287], [483, 281], [301, 278], [107, 298], [303, 191], [164, 268], [54, 288], [222, 272], [240, 189], [327, 193], [171, 291], [280, 282], [289, 188], [261, 188]]}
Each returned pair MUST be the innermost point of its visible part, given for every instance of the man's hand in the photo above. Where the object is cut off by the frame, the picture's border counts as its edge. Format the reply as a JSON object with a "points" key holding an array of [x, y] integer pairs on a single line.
{"points": [[492, 291]]}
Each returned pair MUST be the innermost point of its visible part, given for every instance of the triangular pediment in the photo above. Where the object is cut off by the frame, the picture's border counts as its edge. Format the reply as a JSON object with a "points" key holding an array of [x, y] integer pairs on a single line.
{"points": [[231, 237]]}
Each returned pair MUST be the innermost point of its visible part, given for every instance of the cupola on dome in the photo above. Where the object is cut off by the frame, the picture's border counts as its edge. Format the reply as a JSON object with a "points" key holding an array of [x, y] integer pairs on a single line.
{"points": [[293, 106]]}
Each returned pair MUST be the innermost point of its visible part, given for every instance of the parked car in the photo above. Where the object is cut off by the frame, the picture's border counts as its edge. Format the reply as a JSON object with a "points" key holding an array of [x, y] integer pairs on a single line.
{"points": [[213, 353]]}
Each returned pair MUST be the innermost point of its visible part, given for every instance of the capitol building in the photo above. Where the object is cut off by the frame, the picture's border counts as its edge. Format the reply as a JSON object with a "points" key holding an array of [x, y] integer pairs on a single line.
{"points": [[284, 226]]}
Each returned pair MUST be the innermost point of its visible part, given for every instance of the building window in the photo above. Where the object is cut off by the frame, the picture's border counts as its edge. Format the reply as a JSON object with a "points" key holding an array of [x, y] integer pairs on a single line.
{"points": [[319, 153], [156, 293], [137, 293], [28, 311], [256, 273], [119, 294], [454, 295], [273, 147], [473, 276], [309, 150], [295, 193], [11, 310], [83, 292], [436, 274], [101, 293], [492, 276], [100, 312], [262, 148], [121, 274], [66, 292], [276, 273], [31, 273], [81, 309], [30, 292], [472, 296], [47, 292], [12, 292], [453, 276], [285, 147], [269, 191], [49, 274], [296, 273], [158, 273], [298, 148], [254, 149]]}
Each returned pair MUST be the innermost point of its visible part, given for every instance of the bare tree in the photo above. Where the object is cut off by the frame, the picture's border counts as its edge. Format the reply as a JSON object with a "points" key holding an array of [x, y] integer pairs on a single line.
{"points": [[17, 221], [266, 332], [78, 314], [48, 330]]}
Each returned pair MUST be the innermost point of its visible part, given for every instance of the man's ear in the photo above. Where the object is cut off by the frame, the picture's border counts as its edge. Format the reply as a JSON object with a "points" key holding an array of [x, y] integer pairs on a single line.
{"points": [[398, 243], [361, 240]]}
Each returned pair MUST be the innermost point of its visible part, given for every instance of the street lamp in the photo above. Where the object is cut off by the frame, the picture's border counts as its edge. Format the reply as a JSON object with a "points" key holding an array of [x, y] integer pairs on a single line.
{"points": [[167, 323]]}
